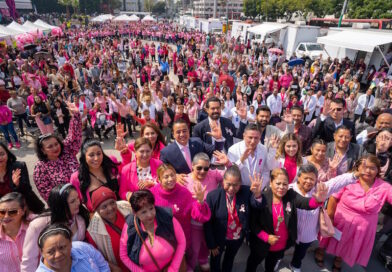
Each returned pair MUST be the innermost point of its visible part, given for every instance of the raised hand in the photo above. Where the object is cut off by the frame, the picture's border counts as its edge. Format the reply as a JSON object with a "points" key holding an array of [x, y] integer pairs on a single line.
{"points": [[246, 154], [335, 161], [221, 158], [273, 141], [216, 131], [256, 183], [288, 118], [120, 130], [321, 193], [199, 192], [120, 144], [16, 176], [72, 108]]}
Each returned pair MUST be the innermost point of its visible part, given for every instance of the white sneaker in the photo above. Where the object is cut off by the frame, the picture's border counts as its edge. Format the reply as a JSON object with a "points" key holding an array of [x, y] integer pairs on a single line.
{"points": [[293, 269], [277, 265]]}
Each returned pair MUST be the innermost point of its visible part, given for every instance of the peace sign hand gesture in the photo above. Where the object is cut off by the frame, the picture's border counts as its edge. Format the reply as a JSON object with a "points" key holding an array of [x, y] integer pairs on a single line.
{"points": [[256, 185], [199, 192]]}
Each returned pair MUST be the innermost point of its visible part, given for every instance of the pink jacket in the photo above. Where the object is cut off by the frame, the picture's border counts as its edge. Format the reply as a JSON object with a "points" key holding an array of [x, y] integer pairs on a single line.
{"points": [[129, 179], [74, 180], [5, 114], [184, 207], [176, 257]]}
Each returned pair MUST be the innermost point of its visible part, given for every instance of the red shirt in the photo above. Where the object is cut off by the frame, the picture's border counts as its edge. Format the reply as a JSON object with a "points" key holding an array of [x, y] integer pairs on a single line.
{"points": [[5, 187]]}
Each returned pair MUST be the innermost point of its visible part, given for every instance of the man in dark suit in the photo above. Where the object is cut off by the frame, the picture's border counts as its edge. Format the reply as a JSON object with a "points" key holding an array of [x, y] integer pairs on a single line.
{"points": [[213, 108], [345, 151], [325, 128], [181, 152], [293, 123]]}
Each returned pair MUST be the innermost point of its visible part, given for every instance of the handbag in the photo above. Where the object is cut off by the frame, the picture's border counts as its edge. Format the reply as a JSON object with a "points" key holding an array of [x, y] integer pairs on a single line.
{"points": [[183, 262], [326, 227]]}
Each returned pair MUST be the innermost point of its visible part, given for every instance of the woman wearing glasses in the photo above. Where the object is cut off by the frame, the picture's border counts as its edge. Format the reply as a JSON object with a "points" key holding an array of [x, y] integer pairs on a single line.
{"points": [[13, 224], [210, 179], [57, 158], [186, 206]]}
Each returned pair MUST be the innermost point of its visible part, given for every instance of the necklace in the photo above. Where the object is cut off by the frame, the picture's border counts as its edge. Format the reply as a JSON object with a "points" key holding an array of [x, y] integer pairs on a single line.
{"points": [[280, 218], [101, 181]]}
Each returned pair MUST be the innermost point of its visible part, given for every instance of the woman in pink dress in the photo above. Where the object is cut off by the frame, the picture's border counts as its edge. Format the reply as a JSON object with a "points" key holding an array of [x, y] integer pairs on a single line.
{"points": [[355, 209]]}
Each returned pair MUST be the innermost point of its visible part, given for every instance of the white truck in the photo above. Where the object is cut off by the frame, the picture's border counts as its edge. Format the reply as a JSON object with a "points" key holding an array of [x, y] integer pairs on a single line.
{"points": [[309, 50], [210, 26]]}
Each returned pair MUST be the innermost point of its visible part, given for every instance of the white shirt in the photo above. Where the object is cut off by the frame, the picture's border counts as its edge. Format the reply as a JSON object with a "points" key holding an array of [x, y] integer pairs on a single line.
{"points": [[274, 103]]}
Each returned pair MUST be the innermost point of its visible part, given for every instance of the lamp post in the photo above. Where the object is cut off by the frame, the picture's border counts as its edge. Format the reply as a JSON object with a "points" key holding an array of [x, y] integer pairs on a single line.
{"points": [[343, 11]]}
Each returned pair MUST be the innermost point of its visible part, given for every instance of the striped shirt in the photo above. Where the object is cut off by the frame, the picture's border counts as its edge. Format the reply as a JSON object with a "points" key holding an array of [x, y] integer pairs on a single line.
{"points": [[84, 258], [308, 220], [11, 250]]}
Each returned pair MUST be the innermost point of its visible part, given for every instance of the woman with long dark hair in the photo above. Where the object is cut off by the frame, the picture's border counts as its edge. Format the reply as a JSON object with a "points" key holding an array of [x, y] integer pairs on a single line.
{"points": [[14, 177], [64, 207], [96, 169]]}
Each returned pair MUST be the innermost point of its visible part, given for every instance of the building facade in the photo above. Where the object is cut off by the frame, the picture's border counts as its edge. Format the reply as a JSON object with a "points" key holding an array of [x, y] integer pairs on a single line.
{"points": [[218, 8]]}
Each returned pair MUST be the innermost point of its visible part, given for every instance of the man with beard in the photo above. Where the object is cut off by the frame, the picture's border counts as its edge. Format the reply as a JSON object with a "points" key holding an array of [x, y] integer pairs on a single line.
{"points": [[213, 108], [293, 122], [263, 117]]}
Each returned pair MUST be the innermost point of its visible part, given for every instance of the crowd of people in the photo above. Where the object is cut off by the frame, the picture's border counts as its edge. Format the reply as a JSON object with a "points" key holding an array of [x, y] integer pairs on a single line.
{"points": [[235, 148]]}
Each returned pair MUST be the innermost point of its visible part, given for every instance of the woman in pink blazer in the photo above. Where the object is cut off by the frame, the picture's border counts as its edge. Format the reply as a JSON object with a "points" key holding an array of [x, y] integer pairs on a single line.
{"points": [[141, 173]]}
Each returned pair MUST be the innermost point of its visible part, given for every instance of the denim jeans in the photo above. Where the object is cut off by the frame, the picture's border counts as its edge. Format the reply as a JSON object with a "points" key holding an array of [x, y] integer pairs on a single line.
{"points": [[9, 128]]}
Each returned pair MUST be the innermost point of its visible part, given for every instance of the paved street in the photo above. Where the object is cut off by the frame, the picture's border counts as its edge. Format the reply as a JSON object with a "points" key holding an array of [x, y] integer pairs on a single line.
{"points": [[26, 153]]}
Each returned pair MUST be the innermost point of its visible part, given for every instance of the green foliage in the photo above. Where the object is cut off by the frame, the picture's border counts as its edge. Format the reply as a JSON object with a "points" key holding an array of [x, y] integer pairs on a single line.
{"points": [[374, 9], [148, 4], [159, 7], [251, 8]]}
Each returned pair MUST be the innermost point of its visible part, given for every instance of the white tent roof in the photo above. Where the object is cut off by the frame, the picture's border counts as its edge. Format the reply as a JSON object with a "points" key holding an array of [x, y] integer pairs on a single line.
{"points": [[134, 17], [44, 24], [357, 40], [3, 36], [32, 27], [15, 26], [123, 18], [148, 18], [102, 18], [9, 31], [266, 28]]}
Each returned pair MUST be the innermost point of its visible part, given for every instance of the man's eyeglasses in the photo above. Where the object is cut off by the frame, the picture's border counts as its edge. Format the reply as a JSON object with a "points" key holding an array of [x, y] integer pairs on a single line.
{"points": [[11, 213], [199, 168]]}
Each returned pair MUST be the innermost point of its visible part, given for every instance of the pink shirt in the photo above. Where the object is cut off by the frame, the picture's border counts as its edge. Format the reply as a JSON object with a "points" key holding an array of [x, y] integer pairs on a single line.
{"points": [[161, 249], [5, 114], [11, 251]]}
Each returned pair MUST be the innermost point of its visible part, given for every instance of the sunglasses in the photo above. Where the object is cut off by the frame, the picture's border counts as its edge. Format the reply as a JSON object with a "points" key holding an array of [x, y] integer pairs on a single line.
{"points": [[44, 137], [199, 168], [11, 213], [337, 109]]}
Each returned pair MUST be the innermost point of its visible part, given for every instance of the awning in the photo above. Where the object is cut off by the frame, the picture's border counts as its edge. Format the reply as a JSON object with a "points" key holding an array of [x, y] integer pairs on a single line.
{"points": [[357, 40], [266, 28]]}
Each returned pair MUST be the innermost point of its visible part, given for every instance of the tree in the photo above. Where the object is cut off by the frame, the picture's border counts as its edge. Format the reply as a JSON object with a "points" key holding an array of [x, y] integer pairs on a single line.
{"points": [[159, 7], [251, 8], [69, 3], [148, 4], [369, 9]]}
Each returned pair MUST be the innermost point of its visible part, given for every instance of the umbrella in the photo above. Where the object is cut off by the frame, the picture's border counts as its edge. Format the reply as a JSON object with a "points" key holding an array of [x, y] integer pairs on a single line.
{"points": [[29, 46], [229, 80], [42, 55], [295, 62], [276, 51]]}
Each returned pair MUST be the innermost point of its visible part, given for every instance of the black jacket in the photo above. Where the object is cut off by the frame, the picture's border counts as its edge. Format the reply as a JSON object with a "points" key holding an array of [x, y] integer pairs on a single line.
{"points": [[160, 117], [325, 129], [215, 229], [261, 219], [32, 200]]}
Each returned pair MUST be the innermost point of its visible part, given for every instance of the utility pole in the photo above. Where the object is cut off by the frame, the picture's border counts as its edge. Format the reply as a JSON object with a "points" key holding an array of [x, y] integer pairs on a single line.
{"points": [[343, 12]]}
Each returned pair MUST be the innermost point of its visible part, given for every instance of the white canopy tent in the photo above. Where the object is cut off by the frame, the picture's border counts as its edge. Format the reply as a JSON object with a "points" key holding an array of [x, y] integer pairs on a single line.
{"points": [[44, 25], [15, 26], [134, 18], [266, 28], [32, 27], [148, 18], [8, 31], [102, 18], [4, 36], [357, 40], [122, 18]]}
